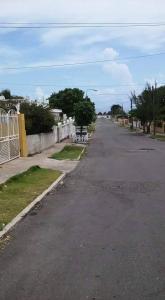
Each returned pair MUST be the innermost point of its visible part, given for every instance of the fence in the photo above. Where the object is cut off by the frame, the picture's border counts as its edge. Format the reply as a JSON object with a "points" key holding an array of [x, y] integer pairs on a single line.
{"points": [[9, 137], [39, 142]]}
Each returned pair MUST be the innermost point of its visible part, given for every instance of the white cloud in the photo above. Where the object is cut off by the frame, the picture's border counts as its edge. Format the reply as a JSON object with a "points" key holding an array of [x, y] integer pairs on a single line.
{"points": [[106, 98], [160, 79], [55, 36], [39, 93], [78, 44], [144, 39], [110, 53], [118, 71], [9, 52]]}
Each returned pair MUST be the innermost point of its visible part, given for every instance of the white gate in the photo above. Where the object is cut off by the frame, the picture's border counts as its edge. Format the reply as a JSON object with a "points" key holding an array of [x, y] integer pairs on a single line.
{"points": [[9, 136]]}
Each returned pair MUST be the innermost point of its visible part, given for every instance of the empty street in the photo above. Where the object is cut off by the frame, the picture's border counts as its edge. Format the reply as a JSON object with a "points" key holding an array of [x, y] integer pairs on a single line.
{"points": [[101, 234]]}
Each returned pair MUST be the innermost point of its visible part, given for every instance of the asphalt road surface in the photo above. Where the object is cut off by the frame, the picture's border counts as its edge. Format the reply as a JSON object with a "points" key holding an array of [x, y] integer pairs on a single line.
{"points": [[100, 235]]}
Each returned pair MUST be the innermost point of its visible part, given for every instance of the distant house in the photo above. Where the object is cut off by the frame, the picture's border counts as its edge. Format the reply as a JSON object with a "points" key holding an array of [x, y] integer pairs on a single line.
{"points": [[57, 113]]}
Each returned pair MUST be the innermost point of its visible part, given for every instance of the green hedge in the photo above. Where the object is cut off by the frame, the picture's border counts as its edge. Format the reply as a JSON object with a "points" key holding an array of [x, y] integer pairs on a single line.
{"points": [[38, 119]]}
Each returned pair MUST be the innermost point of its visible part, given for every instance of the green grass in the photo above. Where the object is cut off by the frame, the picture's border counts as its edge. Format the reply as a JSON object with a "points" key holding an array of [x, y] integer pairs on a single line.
{"points": [[158, 137], [68, 152], [4, 242], [22, 189], [91, 128]]}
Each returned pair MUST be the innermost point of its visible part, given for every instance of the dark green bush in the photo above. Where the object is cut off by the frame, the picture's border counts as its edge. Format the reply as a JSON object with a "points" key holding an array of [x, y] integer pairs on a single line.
{"points": [[84, 113], [38, 119]]}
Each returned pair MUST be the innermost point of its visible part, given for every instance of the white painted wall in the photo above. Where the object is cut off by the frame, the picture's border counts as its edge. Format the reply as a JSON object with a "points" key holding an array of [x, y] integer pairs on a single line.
{"points": [[39, 142]]}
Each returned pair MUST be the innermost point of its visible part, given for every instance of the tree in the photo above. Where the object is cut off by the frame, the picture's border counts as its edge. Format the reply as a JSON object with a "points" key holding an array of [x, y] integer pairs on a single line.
{"points": [[144, 107], [160, 103], [6, 93], [100, 114], [150, 106], [66, 100], [116, 109], [38, 119], [84, 113], [8, 96]]}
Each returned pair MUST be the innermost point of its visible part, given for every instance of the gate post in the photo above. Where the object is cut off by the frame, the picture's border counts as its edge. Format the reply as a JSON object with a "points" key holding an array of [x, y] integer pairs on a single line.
{"points": [[22, 136]]}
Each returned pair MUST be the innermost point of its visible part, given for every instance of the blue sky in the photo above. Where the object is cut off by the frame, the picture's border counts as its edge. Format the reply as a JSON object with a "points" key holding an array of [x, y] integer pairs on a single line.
{"points": [[34, 47]]}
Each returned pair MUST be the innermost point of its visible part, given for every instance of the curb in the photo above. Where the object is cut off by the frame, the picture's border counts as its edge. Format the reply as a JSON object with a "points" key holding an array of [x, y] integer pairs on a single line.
{"points": [[24, 212], [81, 154]]}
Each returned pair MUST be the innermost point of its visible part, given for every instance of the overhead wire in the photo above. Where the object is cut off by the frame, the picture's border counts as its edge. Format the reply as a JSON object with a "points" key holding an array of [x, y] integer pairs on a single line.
{"points": [[47, 25], [81, 63], [74, 85]]}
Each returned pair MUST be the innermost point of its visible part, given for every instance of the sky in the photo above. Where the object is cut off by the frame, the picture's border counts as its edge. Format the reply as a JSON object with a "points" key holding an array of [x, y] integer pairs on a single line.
{"points": [[112, 80]]}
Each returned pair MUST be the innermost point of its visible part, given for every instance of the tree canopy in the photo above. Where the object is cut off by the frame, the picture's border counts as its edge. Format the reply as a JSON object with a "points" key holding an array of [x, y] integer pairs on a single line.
{"points": [[7, 94], [150, 105], [116, 109], [66, 100], [74, 104], [38, 119], [84, 113]]}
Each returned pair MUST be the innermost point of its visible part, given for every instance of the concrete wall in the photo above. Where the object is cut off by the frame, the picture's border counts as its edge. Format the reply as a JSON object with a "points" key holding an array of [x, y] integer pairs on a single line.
{"points": [[39, 142], [158, 130]]}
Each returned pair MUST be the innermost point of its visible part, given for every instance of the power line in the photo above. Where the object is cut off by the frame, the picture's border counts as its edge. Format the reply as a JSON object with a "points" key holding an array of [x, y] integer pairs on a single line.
{"points": [[82, 63], [71, 84], [110, 94], [75, 85], [47, 25], [80, 23]]}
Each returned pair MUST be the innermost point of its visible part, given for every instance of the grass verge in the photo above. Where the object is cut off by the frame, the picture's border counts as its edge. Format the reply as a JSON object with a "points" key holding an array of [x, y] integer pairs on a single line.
{"points": [[4, 242], [20, 190], [68, 152], [158, 137], [91, 128]]}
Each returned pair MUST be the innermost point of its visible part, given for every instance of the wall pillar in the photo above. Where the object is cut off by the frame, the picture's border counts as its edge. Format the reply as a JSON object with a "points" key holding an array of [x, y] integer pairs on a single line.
{"points": [[22, 136]]}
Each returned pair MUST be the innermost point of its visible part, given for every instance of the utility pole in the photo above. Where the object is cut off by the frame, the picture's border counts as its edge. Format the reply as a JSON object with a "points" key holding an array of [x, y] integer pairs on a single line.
{"points": [[154, 108], [131, 113], [122, 107]]}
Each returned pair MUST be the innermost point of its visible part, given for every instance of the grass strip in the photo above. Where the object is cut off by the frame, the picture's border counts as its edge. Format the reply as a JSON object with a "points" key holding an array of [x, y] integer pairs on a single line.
{"points": [[68, 152], [158, 137], [20, 190], [91, 128]]}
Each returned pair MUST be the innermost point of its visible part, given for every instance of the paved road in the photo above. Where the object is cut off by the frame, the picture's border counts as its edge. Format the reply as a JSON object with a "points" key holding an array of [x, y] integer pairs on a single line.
{"points": [[101, 235]]}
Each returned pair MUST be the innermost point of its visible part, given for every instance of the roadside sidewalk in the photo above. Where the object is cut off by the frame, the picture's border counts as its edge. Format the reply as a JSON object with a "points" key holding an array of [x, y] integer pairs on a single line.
{"points": [[21, 164]]}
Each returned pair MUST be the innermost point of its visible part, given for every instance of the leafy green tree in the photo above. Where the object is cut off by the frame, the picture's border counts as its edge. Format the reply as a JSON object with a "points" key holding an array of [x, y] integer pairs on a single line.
{"points": [[84, 113], [160, 103], [116, 109], [66, 100], [144, 107], [38, 119], [6, 93]]}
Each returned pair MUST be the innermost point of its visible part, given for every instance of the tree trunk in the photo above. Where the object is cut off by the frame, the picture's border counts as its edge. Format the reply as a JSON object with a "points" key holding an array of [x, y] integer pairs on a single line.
{"points": [[81, 129], [148, 128], [144, 128]]}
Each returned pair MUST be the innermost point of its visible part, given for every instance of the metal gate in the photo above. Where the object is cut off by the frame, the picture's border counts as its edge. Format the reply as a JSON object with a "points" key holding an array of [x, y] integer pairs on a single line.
{"points": [[9, 136]]}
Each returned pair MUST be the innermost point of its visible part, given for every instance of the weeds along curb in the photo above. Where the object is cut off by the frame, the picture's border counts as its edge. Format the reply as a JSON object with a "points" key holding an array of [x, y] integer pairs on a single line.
{"points": [[24, 212], [82, 152]]}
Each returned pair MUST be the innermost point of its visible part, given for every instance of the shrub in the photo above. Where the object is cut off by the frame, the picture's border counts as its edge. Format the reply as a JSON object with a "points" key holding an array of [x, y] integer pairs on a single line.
{"points": [[38, 119], [84, 113]]}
